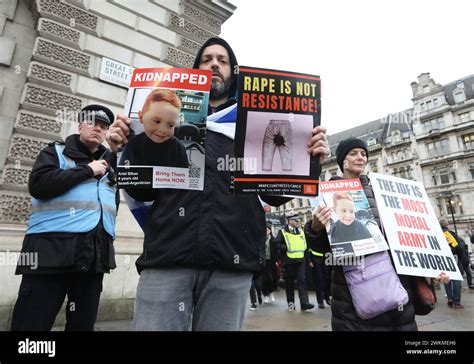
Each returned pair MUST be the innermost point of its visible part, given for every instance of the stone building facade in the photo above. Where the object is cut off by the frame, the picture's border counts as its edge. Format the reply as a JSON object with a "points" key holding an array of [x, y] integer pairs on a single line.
{"points": [[433, 143], [50, 67]]}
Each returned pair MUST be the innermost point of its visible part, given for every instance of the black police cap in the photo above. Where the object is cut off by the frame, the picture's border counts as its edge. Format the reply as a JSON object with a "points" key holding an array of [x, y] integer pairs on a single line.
{"points": [[96, 112]]}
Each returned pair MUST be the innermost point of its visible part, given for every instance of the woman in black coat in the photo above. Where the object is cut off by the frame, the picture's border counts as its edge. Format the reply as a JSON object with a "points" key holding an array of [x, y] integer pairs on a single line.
{"points": [[352, 156]]}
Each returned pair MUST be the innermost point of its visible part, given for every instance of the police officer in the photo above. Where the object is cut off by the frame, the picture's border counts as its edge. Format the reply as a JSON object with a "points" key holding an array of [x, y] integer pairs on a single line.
{"points": [[70, 228], [321, 271], [292, 244]]}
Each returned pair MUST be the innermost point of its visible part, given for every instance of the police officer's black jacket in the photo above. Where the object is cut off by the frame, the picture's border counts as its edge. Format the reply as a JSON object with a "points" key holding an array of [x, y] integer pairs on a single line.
{"points": [[67, 252], [344, 316]]}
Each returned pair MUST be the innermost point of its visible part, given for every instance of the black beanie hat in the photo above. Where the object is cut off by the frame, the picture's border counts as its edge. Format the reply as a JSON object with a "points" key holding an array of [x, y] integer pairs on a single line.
{"points": [[232, 59], [345, 146]]}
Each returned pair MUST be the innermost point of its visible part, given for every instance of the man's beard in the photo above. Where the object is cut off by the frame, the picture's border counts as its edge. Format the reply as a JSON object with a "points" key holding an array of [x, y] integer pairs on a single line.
{"points": [[219, 89]]}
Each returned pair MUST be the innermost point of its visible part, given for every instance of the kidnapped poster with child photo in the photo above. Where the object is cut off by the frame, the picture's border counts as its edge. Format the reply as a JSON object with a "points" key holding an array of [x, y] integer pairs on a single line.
{"points": [[168, 109], [352, 229]]}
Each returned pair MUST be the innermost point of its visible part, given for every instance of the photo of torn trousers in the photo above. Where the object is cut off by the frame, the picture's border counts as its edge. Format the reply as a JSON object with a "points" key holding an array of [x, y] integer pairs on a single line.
{"points": [[277, 135]]}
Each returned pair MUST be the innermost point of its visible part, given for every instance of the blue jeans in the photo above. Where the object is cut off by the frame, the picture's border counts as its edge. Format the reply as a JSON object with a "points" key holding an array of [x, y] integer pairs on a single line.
{"points": [[453, 291], [182, 299]]}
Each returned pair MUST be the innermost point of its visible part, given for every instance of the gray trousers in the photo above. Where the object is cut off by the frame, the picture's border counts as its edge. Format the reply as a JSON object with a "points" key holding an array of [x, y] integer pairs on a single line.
{"points": [[182, 299]]}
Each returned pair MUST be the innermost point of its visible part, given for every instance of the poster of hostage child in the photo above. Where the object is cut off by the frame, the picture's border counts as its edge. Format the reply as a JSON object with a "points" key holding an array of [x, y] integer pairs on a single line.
{"points": [[352, 229], [168, 109]]}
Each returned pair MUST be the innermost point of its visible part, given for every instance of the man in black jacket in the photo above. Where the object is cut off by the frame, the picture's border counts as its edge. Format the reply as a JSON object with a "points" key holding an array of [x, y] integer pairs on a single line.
{"points": [[321, 270], [453, 288], [70, 229], [201, 248]]}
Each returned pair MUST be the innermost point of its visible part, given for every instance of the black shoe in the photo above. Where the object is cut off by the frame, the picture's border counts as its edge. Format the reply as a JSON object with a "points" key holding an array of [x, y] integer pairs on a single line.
{"points": [[321, 305], [306, 306], [328, 301], [260, 302]]}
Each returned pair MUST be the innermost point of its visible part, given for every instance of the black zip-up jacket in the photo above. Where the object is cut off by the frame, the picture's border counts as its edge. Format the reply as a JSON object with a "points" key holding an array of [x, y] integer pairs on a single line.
{"points": [[209, 229], [60, 252], [344, 316]]}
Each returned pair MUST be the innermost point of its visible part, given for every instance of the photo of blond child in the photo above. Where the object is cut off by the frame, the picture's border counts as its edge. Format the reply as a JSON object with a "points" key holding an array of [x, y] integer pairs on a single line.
{"points": [[157, 145], [347, 227]]}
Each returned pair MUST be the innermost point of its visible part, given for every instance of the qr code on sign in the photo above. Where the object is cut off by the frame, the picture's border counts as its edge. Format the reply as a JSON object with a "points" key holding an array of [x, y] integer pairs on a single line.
{"points": [[194, 172], [378, 238]]}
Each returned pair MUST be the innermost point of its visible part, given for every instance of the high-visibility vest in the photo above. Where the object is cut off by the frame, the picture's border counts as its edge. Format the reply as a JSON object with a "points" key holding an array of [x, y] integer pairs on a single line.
{"points": [[79, 210], [316, 253], [295, 244], [451, 240]]}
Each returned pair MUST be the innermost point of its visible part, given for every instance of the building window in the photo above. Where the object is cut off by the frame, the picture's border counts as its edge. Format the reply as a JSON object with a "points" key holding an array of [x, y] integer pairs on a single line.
{"points": [[437, 148], [443, 176], [434, 124], [401, 155], [471, 170], [468, 141], [465, 117], [373, 167], [459, 96], [423, 107], [396, 136], [435, 102], [402, 172], [454, 205], [371, 141], [450, 205]]}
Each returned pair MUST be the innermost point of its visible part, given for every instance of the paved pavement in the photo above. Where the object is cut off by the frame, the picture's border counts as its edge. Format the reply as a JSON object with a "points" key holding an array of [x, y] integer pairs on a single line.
{"points": [[276, 317]]}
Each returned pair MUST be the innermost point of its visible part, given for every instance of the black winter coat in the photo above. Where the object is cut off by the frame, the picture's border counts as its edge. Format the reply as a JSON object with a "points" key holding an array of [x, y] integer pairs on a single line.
{"points": [[344, 316], [209, 229], [60, 252]]}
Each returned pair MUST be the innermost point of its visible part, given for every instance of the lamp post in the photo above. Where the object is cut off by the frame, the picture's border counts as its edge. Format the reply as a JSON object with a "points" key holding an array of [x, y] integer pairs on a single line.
{"points": [[451, 207]]}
